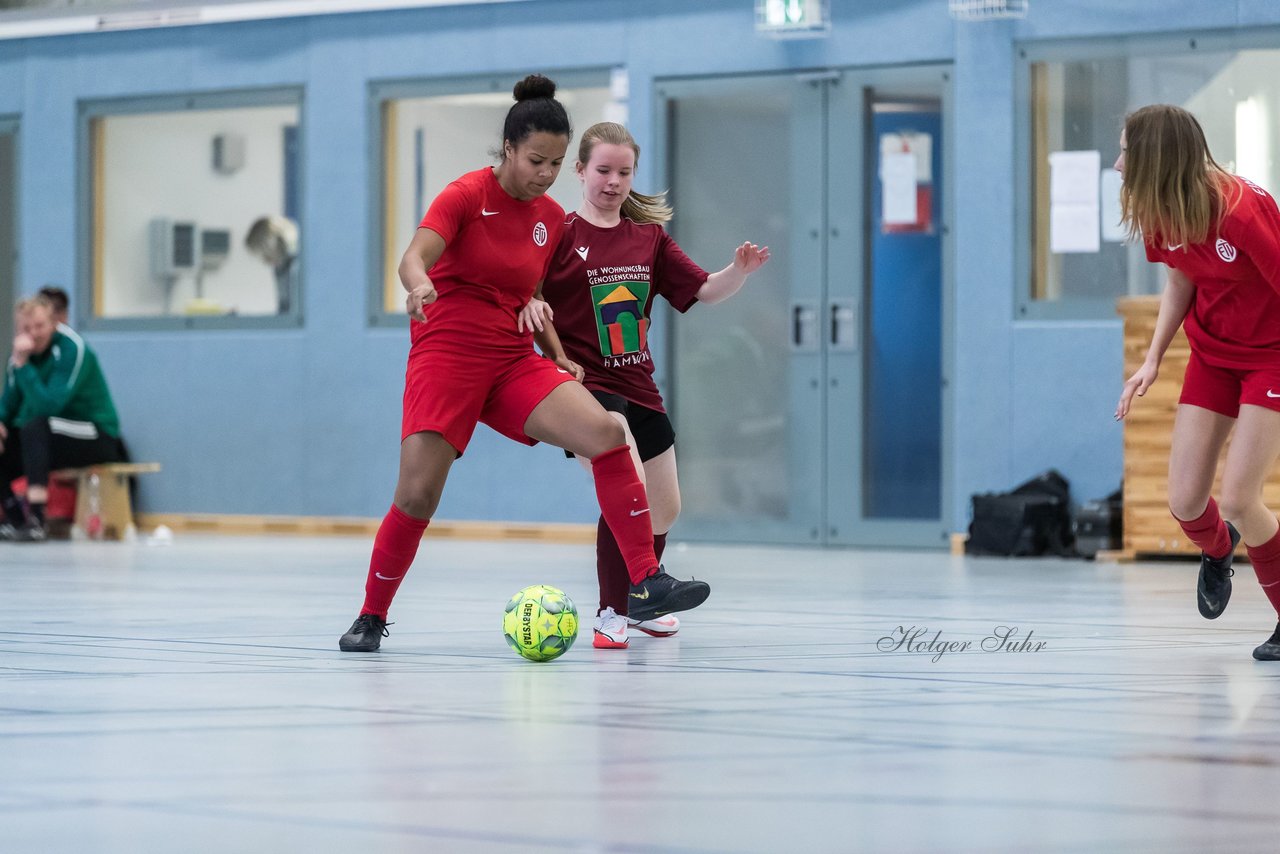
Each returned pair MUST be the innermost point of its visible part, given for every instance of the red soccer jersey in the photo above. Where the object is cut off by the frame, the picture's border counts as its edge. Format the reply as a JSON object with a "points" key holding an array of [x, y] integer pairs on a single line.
{"points": [[496, 251], [601, 285], [1234, 320]]}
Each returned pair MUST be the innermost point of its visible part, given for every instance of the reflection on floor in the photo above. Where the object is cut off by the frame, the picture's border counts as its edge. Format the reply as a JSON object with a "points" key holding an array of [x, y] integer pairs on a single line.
{"points": [[192, 698]]}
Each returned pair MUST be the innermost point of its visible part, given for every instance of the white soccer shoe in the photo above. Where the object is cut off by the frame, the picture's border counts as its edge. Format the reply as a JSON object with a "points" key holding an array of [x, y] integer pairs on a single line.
{"points": [[659, 627], [611, 630]]}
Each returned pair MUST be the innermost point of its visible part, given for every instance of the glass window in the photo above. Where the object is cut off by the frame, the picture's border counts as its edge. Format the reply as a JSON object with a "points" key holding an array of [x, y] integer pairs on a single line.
{"points": [[193, 210], [1078, 260], [431, 133]]}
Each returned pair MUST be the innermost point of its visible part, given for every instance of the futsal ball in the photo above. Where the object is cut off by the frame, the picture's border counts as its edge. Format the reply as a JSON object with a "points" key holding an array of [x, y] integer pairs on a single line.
{"points": [[540, 623]]}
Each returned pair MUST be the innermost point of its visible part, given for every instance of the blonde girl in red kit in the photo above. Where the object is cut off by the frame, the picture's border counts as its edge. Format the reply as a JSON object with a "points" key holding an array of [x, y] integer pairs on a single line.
{"points": [[1219, 235], [613, 261], [478, 257]]}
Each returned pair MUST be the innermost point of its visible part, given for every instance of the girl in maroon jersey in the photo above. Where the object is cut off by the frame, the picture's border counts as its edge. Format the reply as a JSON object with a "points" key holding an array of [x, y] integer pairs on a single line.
{"points": [[477, 258], [1220, 237], [613, 259]]}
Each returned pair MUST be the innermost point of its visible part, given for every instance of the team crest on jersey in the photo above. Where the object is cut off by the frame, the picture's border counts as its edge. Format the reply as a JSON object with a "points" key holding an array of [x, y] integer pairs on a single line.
{"points": [[540, 234], [620, 320], [1226, 251]]}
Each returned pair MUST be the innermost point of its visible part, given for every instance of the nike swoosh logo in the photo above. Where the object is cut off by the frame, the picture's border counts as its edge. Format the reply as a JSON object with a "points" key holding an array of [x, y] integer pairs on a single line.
{"points": [[1269, 394], [638, 512], [384, 578], [484, 212], [562, 370], [644, 595]]}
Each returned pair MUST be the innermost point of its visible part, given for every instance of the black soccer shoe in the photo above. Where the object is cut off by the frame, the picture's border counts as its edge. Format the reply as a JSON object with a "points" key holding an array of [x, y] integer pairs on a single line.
{"points": [[1269, 651], [33, 532], [30, 531], [661, 594], [1213, 590], [365, 634]]}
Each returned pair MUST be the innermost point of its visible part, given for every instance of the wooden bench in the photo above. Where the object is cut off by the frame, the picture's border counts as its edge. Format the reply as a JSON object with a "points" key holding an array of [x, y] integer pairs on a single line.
{"points": [[115, 508]]}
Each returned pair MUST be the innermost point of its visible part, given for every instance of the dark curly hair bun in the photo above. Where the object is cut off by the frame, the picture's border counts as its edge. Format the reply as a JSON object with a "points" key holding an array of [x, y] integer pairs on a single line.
{"points": [[534, 86], [536, 109]]}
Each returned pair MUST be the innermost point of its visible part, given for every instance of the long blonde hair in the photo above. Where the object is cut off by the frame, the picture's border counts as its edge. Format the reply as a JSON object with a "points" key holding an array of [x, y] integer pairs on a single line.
{"points": [[1173, 189], [637, 207]]}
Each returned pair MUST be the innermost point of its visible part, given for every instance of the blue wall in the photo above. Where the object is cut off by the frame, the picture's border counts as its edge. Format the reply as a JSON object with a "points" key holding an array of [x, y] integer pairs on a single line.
{"points": [[307, 421]]}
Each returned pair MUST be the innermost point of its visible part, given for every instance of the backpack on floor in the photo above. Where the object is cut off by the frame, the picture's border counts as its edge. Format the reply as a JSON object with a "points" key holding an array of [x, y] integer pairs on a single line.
{"points": [[1033, 519]]}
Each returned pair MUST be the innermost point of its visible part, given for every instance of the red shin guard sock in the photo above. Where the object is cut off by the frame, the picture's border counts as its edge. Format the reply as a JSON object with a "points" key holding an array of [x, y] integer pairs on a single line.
{"points": [[625, 508], [1266, 565], [611, 570], [1208, 532], [393, 551]]}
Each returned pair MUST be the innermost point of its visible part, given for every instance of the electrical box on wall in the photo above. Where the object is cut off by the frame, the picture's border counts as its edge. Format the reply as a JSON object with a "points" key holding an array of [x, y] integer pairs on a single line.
{"points": [[228, 153], [215, 246], [173, 248]]}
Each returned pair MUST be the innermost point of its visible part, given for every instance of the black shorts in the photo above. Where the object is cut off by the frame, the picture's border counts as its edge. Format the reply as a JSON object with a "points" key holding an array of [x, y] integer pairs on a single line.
{"points": [[652, 429]]}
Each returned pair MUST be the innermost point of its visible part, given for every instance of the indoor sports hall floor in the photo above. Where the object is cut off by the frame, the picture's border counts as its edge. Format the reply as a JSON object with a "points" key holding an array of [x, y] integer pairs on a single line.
{"points": [[191, 698]]}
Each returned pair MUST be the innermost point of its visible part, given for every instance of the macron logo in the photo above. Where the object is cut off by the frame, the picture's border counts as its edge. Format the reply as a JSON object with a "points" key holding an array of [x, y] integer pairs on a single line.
{"points": [[582, 252]]}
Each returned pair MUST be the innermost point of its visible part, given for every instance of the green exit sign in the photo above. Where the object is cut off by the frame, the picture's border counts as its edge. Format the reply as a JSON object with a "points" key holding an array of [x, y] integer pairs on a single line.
{"points": [[793, 18]]}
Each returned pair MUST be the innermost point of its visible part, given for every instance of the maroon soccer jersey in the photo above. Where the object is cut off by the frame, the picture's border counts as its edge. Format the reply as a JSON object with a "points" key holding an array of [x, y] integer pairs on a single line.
{"points": [[601, 284], [1234, 320], [496, 251]]}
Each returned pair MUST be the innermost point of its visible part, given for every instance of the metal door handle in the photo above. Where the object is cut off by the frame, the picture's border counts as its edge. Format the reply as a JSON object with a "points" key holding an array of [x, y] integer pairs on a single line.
{"points": [[804, 327], [844, 327]]}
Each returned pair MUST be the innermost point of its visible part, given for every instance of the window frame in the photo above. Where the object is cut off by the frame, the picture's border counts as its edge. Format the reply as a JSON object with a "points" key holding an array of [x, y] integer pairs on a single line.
{"points": [[381, 91], [89, 110], [1026, 307], [11, 125]]}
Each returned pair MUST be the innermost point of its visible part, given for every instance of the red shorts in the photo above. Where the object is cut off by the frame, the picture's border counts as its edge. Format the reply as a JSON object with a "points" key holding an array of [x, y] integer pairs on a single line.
{"points": [[1222, 390], [447, 392]]}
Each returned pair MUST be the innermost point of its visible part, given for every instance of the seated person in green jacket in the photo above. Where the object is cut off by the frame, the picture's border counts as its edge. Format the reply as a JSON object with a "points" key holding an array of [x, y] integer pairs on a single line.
{"points": [[55, 412]]}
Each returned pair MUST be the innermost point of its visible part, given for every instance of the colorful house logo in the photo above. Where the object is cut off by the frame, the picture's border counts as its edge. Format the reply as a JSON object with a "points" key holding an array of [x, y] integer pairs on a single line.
{"points": [[620, 319]]}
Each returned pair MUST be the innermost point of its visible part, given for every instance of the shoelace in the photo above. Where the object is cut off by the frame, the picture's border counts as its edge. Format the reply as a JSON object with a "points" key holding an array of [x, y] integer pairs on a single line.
{"points": [[612, 622], [365, 622]]}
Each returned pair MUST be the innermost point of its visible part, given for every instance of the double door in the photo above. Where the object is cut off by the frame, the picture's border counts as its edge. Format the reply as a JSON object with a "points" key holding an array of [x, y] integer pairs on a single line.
{"points": [[811, 407]]}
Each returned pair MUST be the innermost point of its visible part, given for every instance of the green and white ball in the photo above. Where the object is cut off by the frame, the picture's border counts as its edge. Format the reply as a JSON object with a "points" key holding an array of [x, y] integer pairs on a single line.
{"points": [[540, 623]]}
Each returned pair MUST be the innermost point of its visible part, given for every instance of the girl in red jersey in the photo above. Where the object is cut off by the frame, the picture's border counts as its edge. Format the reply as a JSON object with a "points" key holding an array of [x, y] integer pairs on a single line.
{"points": [[1220, 237], [613, 259], [485, 242]]}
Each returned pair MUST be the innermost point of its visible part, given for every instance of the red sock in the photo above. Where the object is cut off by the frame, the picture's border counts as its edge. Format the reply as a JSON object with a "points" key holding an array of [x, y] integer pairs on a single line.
{"points": [[611, 569], [393, 551], [1266, 565], [625, 507], [1208, 532]]}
